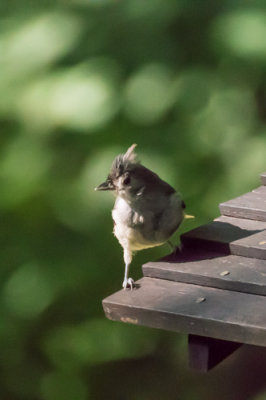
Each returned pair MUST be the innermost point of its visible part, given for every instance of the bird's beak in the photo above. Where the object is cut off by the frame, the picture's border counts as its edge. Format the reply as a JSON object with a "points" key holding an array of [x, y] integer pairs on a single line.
{"points": [[107, 185]]}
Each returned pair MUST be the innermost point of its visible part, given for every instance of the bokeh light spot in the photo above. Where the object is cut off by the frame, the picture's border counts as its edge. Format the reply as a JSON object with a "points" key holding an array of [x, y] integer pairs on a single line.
{"points": [[80, 99], [37, 43], [73, 346], [28, 292], [194, 87], [149, 94], [23, 168], [243, 33]]}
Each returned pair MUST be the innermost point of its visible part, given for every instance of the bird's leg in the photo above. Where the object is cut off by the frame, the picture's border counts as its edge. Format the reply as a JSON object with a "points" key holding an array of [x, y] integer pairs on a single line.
{"points": [[128, 282]]}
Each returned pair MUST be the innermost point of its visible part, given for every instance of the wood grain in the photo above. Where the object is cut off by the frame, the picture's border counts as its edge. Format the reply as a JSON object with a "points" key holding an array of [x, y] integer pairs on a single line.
{"points": [[174, 306], [251, 205], [230, 236], [230, 272]]}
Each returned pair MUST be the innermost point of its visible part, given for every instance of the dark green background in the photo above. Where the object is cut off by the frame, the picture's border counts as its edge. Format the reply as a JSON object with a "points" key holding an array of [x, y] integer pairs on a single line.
{"points": [[80, 81]]}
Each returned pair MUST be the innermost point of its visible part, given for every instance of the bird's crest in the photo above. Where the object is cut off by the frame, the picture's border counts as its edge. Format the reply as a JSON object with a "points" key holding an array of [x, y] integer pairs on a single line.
{"points": [[130, 155], [122, 161]]}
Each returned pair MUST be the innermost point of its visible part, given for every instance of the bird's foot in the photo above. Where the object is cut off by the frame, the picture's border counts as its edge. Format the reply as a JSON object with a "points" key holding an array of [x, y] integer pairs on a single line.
{"points": [[128, 284]]}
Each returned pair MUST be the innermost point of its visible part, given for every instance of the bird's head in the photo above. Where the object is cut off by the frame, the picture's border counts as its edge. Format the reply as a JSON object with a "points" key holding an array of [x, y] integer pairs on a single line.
{"points": [[122, 178]]}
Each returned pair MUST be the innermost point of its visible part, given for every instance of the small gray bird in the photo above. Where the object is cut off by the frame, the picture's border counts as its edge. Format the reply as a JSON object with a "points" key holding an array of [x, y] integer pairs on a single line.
{"points": [[147, 210]]}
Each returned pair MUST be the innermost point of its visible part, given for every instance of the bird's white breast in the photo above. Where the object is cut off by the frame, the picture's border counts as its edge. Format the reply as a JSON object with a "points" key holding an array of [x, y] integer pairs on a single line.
{"points": [[125, 222], [136, 231]]}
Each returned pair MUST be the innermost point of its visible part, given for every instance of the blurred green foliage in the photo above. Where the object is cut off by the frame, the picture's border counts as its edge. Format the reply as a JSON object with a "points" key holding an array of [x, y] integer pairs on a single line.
{"points": [[80, 81]]}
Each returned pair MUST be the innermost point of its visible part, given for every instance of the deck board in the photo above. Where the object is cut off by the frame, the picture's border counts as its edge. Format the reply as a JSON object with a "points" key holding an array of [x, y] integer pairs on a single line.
{"points": [[229, 235], [229, 272], [199, 310], [251, 205]]}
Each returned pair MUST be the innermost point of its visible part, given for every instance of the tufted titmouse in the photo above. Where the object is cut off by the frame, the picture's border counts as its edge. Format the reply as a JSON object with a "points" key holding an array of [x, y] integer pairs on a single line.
{"points": [[147, 210]]}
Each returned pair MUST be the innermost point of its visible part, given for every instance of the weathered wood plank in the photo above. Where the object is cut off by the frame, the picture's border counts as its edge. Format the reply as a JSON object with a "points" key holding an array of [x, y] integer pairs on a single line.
{"points": [[197, 310], [205, 353], [228, 272], [251, 205], [263, 178], [229, 235]]}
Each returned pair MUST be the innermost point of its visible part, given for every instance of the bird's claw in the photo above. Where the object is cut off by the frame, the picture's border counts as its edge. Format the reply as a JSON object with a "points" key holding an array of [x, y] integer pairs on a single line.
{"points": [[128, 283]]}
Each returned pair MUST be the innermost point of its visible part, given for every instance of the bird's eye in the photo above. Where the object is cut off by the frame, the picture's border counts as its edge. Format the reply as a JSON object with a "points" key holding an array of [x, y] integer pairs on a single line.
{"points": [[126, 181]]}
